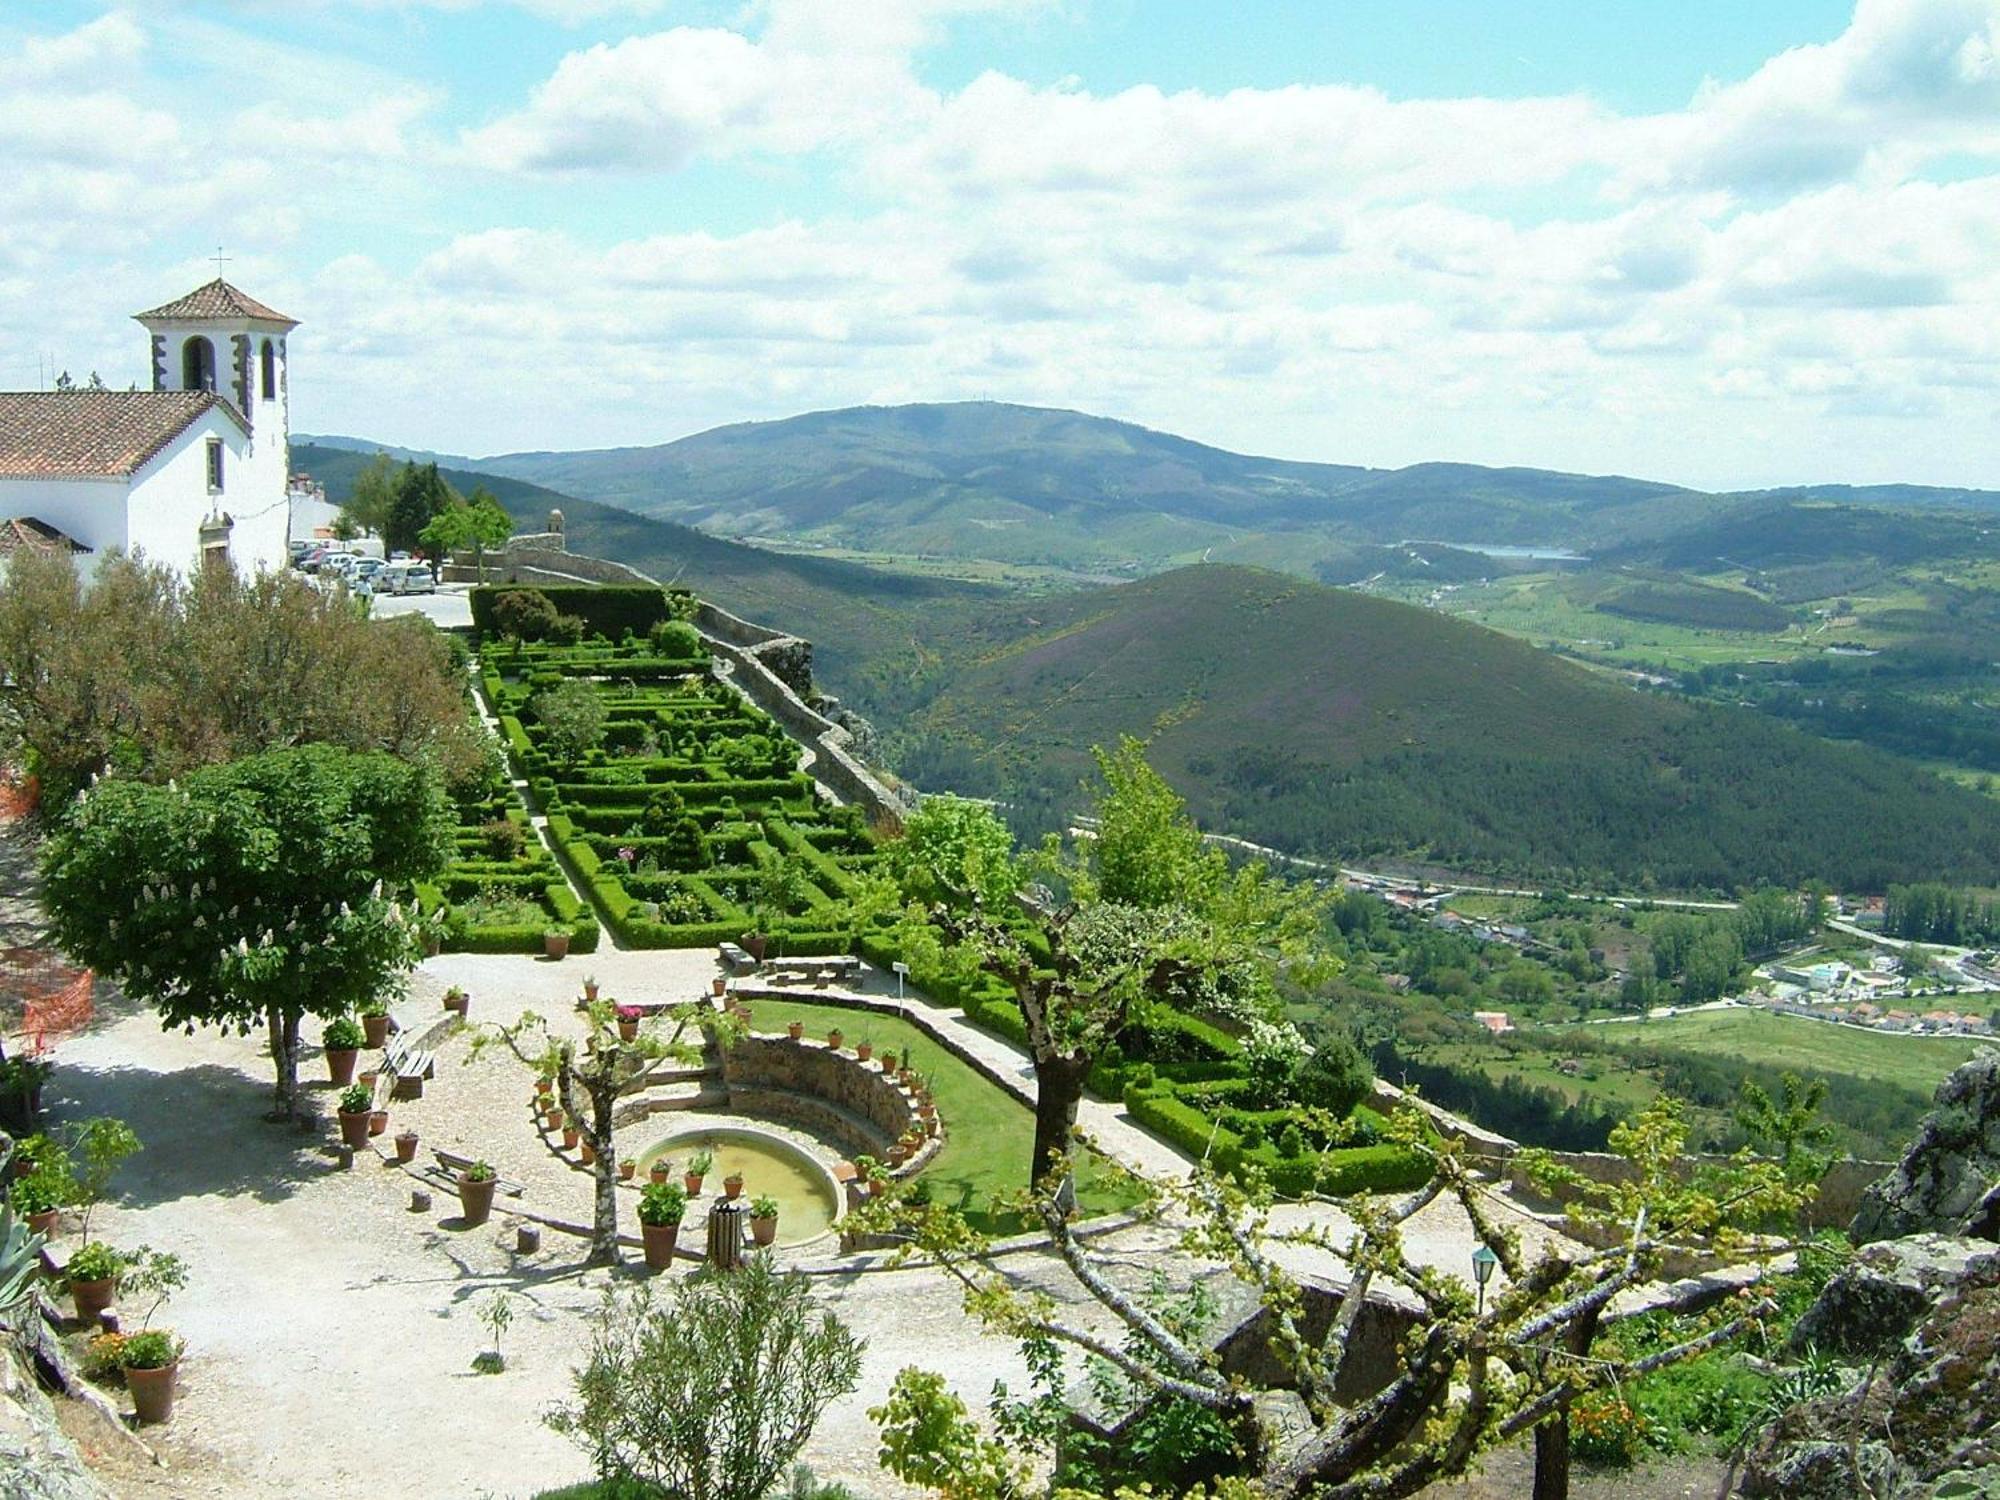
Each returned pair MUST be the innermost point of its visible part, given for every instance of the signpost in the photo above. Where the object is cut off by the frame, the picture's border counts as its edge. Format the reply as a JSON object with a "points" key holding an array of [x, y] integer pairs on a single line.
{"points": [[902, 971]]}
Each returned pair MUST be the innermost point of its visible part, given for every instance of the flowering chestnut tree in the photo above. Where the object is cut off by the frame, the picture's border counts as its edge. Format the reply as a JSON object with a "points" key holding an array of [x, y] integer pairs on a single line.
{"points": [[259, 891]]}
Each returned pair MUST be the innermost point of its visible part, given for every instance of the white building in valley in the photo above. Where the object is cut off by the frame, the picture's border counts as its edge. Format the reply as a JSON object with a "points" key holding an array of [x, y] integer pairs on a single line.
{"points": [[192, 471]]}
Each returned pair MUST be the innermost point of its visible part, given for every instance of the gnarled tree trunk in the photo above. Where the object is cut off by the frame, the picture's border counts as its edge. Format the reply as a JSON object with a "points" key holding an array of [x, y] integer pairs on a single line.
{"points": [[1058, 1092]]}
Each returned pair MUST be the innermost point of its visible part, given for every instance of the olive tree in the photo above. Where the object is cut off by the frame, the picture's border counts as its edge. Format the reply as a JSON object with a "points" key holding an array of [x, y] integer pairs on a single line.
{"points": [[259, 891], [710, 1392]]}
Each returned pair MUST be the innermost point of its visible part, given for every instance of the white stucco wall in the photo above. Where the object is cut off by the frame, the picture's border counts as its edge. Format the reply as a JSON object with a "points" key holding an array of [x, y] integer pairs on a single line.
{"points": [[170, 498], [91, 510]]}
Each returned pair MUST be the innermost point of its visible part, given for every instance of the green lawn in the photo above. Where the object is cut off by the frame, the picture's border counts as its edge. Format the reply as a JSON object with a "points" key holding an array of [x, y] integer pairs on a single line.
{"points": [[1915, 1062], [988, 1132]]}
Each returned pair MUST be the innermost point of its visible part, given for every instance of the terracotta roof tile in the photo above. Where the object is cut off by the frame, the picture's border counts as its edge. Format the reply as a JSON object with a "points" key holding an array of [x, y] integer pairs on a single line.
{"points": [[26, 534], [93, 434], [217, 301]]}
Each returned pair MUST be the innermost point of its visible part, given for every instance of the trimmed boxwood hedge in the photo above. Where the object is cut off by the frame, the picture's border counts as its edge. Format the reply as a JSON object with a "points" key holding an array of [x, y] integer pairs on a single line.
{"points": [[1351, 1169]]}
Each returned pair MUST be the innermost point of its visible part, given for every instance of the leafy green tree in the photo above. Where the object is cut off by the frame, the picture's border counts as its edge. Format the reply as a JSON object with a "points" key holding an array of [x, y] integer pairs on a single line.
{"points": [[258, 891], [1084, 964], [477, 522], [373, 496], [421, 497], [710, 1392], [573, 716], [952, 846]]}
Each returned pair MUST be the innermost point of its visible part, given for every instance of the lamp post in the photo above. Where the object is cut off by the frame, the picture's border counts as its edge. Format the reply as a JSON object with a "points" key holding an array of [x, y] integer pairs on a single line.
{"points": [[1483, 1262]]}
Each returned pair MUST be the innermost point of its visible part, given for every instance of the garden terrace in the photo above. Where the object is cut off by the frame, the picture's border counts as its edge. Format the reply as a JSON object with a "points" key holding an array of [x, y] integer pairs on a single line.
{"points": [[687, 818]]}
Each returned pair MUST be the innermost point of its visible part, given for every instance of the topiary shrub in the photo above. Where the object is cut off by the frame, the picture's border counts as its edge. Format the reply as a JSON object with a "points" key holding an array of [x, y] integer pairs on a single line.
{"points": [[1334, 1077]]}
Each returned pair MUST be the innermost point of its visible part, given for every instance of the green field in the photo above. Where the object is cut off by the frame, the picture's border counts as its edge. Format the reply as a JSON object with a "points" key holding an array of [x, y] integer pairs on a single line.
{"points": [[988, 1132], [1914, 1062]]}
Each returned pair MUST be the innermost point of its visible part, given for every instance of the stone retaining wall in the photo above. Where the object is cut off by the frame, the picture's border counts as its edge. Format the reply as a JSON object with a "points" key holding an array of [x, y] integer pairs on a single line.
{"points": [[1840, 1187], [822, 1088]]}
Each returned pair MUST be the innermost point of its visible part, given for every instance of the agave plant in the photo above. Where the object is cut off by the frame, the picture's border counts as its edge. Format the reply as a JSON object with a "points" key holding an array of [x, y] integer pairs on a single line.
{"points": [[20, 1251]]}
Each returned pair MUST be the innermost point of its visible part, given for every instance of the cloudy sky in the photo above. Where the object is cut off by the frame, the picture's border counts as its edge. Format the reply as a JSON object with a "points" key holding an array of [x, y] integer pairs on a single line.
{"points": [[1717, 242]]}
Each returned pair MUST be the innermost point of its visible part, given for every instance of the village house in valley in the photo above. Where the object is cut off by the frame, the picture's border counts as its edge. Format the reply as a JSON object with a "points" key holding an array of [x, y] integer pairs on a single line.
{"points": [[190, 471]]}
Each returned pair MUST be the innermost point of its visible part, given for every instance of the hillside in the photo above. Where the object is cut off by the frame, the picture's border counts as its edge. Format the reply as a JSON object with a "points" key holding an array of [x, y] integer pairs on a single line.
{"points": [[855, 616], [1322, 721], [1031, 484]]}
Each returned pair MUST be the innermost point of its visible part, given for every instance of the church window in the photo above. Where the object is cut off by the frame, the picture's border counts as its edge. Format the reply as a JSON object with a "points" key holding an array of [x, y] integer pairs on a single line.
{"points": [[215, 463], [197, 365], [269, 359]]}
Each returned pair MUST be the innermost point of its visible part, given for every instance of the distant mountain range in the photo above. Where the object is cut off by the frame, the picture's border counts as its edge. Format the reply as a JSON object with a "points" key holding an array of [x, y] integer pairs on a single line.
{"points": [[1035, 485]]}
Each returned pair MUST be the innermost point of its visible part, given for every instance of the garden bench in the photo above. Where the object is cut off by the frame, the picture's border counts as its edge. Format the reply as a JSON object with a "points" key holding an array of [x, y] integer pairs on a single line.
{"points": [[450, 1164], [409, 1067], [733, 957]]}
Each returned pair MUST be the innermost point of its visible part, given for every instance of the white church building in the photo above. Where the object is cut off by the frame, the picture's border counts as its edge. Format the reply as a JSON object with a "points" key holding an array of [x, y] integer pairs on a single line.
{"points": [[192, 472]]}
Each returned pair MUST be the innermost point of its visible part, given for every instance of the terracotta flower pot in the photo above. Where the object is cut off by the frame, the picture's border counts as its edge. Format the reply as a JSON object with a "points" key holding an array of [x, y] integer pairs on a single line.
{"points": [[835, 1037], [589, 991], [571, 1135], [692, 1182], [92, 1297], [475, 1199], [459, 1003], [44, 1223], [864, 1050], [340, 1064], [378, 1121], [732, 1185], [658, 1171], [796, 1030], [721, 985], [555, 944], [376, 1030], [763, 1231], [659, 1241], [898, 1154], [588, 1152], [153, 1392], [628, 1031], [626, 1169], [406, 1147], [552, 1119], [354, 1128]]}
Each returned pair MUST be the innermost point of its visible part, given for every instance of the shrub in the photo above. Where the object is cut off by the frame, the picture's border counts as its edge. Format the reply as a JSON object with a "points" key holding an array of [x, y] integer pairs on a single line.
{"points": [[676, 640], [611, 611], [711, 1390], [524, 614], [342, 1034], [1291, 1141], [501, 838], [356, 1099], [572, 716], [1606, 1429], [1334, 1077], [104, 1356]]}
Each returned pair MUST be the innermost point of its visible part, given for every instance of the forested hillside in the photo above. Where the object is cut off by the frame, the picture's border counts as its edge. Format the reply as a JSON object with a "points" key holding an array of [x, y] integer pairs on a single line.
{"points": [[1326, 722]]}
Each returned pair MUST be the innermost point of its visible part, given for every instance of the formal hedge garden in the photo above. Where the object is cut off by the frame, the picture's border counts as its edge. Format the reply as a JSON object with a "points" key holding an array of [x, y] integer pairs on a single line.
{"points": [[502, 892], [677, 804]]}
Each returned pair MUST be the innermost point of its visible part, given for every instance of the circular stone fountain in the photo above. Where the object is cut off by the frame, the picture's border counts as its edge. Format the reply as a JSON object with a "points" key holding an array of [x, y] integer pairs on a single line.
{"points": [[809, 1198]]}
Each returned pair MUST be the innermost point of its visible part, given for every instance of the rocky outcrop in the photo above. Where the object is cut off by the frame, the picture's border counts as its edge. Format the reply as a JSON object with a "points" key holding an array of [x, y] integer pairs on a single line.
{"points": [[1948, 1182], [1922, 1425], [37, 1459], [1874, 1302]]}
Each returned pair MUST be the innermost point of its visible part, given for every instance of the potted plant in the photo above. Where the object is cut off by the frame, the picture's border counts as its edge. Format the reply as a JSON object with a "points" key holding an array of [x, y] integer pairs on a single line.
{"points": [[555, 942], [865, 1048], [357, 1102], [342, 1041], [763, 1220], [795, 1029], [456, 999], [697, 1168], [476, 1186], [865, 1169], [662, 1206], [38, 1199], [406, 1146], [835, 1037], [21, 1080], [629, 1017], [375, 1025], [720, 985], [627, 1168], [732, 1185], [586, 1151], [92, 1274], [552, 1115], [756, 944], [661, 1169], [378, 1121], [151, 1359], [589, 989], [570, 1133]]}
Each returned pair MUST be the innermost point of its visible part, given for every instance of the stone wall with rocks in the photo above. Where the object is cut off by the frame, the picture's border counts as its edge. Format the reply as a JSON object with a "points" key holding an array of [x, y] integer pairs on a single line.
{"points": [[1948, 1182], [1840, 1189], [826, 1090]]}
